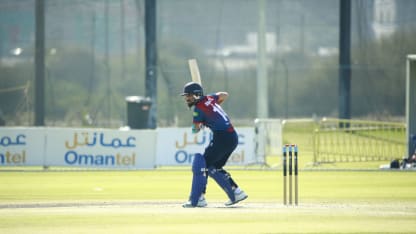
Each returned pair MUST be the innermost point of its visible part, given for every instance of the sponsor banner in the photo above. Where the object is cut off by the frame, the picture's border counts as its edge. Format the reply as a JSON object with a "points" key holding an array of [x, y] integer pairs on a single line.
{"points": [[22, 146], [177, 146], [101, 148]]}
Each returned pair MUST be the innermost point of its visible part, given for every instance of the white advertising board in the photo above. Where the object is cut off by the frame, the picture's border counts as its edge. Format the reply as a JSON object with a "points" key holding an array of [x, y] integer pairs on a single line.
{"points": [[101, 148], [98, 148], [106, 148], [177, 146], [22, 146]]}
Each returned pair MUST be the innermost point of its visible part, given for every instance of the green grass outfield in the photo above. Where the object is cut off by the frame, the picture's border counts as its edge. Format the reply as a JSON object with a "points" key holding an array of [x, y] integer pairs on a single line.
{"points": [[150, 202]]}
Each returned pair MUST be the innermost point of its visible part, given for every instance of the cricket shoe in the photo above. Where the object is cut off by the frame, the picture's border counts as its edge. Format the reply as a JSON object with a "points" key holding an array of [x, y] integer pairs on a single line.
{"points": [[239, 196], [201, 203]]}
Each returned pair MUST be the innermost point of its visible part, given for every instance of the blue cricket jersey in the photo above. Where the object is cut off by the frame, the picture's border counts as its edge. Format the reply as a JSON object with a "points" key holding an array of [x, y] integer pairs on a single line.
{"points": [[208, 112]]}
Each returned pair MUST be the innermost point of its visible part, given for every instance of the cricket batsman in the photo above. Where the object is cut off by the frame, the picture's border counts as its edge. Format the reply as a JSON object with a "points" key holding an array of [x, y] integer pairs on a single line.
{"points": [[208, 112]]}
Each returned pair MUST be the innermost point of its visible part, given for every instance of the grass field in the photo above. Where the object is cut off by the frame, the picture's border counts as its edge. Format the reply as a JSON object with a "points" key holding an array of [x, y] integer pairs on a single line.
{"points": [[351, 197], [150, 202]]}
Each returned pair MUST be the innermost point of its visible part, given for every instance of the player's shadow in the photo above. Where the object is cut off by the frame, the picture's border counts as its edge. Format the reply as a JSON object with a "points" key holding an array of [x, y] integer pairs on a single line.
{"points": [[227, 207]]}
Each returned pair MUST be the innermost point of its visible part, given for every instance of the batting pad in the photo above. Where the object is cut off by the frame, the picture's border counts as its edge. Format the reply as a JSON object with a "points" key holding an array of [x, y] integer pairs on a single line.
{"points": [[199, 179], [223, 181]]}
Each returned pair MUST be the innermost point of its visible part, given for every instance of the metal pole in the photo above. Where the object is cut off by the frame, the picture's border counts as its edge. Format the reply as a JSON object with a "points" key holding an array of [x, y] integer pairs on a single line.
{"points": [[286, 89], [262, 87], [345, 59], [40, 64], [122, 39], [151, 59]]}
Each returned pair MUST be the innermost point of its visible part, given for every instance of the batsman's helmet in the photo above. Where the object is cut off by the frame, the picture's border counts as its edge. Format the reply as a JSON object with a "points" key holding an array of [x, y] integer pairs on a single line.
{"points": [[193, 88]]}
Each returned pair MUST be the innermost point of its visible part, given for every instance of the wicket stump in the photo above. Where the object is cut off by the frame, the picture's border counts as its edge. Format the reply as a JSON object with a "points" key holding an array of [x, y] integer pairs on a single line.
{"points": [[292, 152]]}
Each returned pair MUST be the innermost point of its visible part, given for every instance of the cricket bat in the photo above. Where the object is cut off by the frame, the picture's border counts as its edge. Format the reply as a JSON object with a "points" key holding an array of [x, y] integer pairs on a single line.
{"points": [[193, 67]]}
